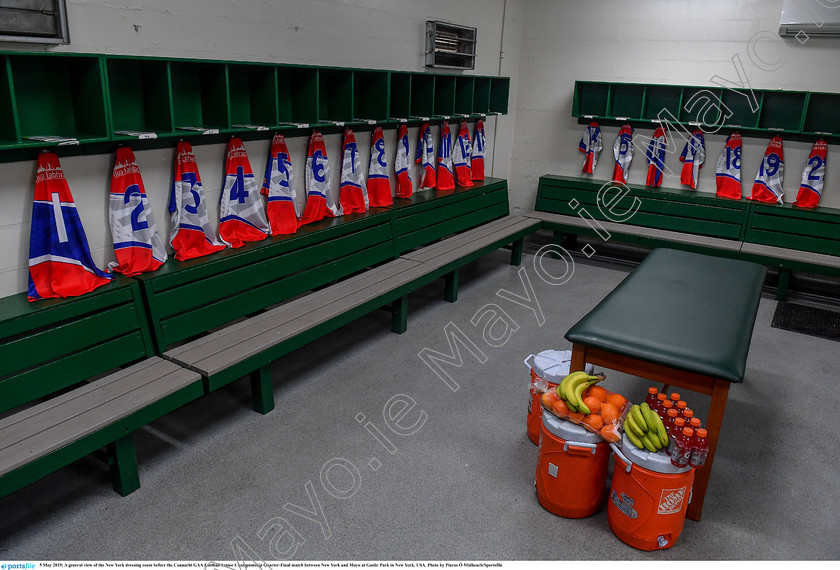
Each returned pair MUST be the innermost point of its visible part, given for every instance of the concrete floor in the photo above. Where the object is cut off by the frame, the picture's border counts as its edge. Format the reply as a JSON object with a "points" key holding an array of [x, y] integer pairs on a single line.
{"points": [[461, 487]]}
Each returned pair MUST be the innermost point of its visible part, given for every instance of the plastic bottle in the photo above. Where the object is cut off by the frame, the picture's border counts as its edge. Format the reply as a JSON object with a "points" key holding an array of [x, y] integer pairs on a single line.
{"points": [[674, 430], [694, 423], [688, 414], [699, 448], [666, 405], [675, 397], [660, 409], [651, 397], [680, 448], [681, 407]]}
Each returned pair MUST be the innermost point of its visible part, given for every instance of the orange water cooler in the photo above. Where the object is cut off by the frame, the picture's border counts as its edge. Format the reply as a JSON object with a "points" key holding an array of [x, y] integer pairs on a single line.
{"points": [[648, 498], [549, 367], [571, 468]]}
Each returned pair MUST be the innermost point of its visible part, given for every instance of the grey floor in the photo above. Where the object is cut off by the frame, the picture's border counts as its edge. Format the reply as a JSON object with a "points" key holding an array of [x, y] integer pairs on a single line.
{"points": [[461, 487]]}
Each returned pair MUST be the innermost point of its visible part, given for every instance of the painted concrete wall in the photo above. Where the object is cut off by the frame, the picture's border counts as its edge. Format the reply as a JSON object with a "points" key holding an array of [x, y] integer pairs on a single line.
{"points": [[662, 42], [383, 34]]}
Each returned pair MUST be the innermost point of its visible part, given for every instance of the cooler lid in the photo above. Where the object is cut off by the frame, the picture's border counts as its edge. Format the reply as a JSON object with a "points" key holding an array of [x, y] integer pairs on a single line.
{"points": [[659, 462], [553, 365], [569, 431]]}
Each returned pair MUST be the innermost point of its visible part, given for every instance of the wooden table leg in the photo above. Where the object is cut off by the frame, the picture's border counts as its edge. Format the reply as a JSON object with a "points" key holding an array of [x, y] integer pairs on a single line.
{"points": [[578, 357], [720, 392]]}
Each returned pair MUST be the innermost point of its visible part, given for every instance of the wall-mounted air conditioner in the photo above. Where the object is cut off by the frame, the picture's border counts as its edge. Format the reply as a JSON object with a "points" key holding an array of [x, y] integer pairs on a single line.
{"points": [[810, 18]]}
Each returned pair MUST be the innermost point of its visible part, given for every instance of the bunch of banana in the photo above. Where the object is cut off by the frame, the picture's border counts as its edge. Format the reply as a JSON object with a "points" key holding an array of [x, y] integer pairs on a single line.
{"points": [[644, 428], [572, 386]]}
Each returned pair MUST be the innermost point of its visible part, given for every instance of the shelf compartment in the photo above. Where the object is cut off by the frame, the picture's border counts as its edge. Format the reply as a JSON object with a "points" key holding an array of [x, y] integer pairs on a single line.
{"points": [[140, 96], [200, 95], [297, 94], [743, 116], [464, 95], [335, 95], [782, 111], [400, 105], [698, 104], [61, 96], [371, 95], [481, 95], [626, 100], [659, 97], [822, 116], [253, 95], [591, 99], [9, 127], [499, 94], [444, 95], [422, 95]]}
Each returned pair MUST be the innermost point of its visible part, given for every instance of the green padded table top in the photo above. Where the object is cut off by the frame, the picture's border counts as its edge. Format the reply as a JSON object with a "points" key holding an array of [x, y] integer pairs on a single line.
{"points": [[683, 310]]}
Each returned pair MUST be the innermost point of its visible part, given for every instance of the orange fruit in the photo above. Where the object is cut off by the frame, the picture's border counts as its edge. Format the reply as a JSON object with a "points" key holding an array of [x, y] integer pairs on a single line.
{"points": [[575, 417], [548, 398], [610, 433], [593, 422], [560, 408], [617, 400], [609, 413], [593, 403], [597, 392]]}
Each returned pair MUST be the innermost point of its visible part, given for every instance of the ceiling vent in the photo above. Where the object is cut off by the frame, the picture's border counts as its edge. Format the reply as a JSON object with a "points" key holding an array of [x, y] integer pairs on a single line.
{"points": [[450, 46]]}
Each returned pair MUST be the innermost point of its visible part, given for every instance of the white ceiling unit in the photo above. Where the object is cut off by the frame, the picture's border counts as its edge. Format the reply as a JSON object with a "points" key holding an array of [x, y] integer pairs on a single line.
{"points": [[810, 18]]}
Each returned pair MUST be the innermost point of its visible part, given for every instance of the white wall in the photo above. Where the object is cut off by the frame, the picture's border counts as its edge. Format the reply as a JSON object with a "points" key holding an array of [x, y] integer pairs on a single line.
{"points": [[382, 34], [678, 42]]}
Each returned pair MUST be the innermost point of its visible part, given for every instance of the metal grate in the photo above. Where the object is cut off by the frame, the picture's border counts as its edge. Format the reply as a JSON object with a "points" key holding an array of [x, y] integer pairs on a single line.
{"points": [[37, 21], [450, 46]]}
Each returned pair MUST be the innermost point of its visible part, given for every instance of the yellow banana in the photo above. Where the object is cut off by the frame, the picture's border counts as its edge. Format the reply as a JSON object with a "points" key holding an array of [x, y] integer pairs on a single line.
{"points": [[579, 390], [634, 439], [562, 396], [663, 438], [650, 416], [638, 417], [561, 388], [572, 386], [648, 443], [631, 426]]}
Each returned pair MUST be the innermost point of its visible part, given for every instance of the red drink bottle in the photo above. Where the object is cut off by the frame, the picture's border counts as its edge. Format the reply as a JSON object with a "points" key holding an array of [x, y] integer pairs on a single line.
{"points": [[651, 397], [681, 448], [700, 449]]}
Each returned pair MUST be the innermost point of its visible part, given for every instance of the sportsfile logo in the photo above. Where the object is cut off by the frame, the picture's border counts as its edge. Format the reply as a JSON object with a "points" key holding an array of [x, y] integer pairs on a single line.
{"points": [[671, 500]]}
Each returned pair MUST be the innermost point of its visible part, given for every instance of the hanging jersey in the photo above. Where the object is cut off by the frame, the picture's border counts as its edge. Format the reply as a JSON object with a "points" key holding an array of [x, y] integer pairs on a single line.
{"points": [[461, 156], [278, 187], [477, 158], [692, 158], [60, 264], [623, 151], [378, 183], [768, 182], [137, 244], [319, 201], [445, 176], [590, 145], [425, 156], [352, 191], [404, 187], [656, 158], [190, 234], [241, 210], [728, 171], [813, 177]]}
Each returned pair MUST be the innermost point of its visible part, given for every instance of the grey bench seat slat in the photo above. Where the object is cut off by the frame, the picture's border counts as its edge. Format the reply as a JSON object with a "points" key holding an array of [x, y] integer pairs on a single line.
{"points": [[791, 254], [292, 319], [243, 330], [629, 229], [478, 237], [74, 415]]}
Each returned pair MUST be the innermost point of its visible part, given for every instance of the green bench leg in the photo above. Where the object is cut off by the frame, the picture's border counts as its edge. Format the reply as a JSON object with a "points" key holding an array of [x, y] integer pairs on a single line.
{"points": [[123, 465], [516, 252], [399, 315], [784, 283], [262, 390], [450, 293]]}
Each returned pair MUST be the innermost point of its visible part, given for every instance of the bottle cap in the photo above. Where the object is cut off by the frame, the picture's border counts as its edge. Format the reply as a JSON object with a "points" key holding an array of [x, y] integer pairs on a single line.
{"points": [[653, 390], [688, 413], [661, 397], [668, 404], [695, 423], [681, 405], [680, 422], [675, 397], [702, 432], [673, 413], [688, 432]]}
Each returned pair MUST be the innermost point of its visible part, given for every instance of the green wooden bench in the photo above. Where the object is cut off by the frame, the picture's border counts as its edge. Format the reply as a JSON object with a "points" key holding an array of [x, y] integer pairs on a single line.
{"points": [[50, 349]]}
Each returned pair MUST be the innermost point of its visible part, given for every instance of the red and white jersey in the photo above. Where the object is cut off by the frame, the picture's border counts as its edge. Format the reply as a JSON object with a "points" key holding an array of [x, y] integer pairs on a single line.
{"points": [[656, 158], [728, 172], [623, 151], [190, 234], [60, 264], [404, 185], [461, 156], [771, 172], [278, 187], [352, 190], [378, 183], [445, 176], [425, 156], [692, 157], [241, 210], [477, 158], [813, 177], [137, 243], [320, 202], [590, 145]]}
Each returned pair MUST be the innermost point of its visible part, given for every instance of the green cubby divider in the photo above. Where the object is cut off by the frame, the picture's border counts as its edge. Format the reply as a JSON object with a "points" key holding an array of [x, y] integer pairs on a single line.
{"points": [[140, 97], [60, 96], [335, 95], [741, 107], [9, 127], [253, 96], [400, 103], [499, 94], [822, 116], [481, 97], [627, 101], [444, 104], [422, 95], [371, 95], [659, 98], [782, 111], [591, 98], [698, 104], [200, 96], [297, 94], [464, 94]]}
